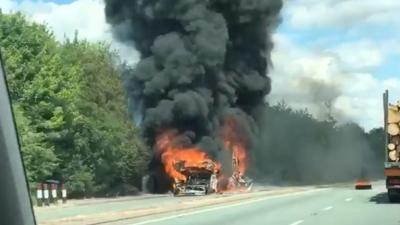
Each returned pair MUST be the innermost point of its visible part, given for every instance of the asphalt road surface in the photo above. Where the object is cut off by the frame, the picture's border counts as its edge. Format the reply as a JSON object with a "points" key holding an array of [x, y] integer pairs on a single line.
{"points": [[338, 205]]}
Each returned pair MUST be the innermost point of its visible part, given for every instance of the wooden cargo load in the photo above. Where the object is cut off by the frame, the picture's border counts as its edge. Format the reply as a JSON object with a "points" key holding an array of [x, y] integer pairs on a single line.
{"points": [[393, 129]]}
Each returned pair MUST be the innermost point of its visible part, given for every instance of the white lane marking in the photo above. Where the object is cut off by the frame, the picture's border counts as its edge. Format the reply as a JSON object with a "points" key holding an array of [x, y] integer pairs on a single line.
{"points": [[348, 199], [228, 206], [297, 222], [327, 208]]}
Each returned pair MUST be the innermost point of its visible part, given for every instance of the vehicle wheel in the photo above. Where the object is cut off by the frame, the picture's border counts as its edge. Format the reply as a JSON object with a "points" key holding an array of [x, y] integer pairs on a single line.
{"points": [[393, 196], [176, 192]]}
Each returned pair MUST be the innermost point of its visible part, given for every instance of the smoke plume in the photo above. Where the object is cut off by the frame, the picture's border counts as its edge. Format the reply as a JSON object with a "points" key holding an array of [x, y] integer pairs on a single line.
{"points": [[201, 62]]}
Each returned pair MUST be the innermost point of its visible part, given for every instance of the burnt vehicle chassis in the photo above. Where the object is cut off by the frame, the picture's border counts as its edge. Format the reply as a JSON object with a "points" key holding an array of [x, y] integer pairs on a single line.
{"points": [[199, 180]]}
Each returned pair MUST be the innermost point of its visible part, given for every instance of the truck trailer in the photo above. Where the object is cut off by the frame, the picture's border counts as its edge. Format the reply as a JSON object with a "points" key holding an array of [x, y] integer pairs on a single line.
{"points": [[392, 147]]}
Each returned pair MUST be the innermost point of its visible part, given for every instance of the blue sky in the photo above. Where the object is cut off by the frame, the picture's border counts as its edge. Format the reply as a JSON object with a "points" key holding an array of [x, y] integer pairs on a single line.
{"points": [[360, 39], [327, 37]]}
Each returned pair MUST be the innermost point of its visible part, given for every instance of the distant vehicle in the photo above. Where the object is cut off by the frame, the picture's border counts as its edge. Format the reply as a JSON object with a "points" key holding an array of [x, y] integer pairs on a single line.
{"points": [[392, 147], [363, 183]]}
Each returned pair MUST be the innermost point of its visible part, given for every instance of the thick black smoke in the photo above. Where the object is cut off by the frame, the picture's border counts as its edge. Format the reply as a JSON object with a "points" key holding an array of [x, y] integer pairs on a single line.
{"points": [[201, 61]]}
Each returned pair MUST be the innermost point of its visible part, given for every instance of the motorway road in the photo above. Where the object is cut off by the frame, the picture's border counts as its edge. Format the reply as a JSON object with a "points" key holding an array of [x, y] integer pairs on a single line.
{"points": [[337, 205]]}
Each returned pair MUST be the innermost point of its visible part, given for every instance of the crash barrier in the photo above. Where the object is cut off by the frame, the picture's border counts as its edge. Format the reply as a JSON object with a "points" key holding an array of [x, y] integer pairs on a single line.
{"points": [[50, 192]]}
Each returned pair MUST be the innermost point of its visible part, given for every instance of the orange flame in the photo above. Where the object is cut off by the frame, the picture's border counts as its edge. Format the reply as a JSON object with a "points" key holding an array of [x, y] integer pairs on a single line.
{"points": [[176, 159], [235, 143], [172, 156]]}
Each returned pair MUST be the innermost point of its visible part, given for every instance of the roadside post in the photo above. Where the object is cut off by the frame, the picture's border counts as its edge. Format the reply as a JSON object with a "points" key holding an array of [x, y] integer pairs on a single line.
{"points": [[46, 194], [63, 193], [39, 194], [54, 193], [145, 181]]}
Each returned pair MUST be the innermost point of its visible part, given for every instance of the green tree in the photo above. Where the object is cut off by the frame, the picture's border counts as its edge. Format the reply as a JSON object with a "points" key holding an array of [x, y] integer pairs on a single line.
{"points": [[25, 46], [39, 157], [71, 110], [295, 147]]}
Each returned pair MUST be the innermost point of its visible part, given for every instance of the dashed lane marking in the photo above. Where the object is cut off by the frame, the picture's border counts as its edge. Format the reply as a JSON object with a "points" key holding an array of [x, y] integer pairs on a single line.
{"points": [[327, 208], [228, 206], [297, 222]]}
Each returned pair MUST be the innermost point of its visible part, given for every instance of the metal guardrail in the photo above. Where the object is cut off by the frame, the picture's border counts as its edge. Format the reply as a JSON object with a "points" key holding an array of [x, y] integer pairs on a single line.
{"points": [[385, 121]]}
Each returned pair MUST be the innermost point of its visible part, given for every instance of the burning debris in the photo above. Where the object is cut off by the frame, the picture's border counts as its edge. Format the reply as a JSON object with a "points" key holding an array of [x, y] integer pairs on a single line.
{"points": [[198, 84]]}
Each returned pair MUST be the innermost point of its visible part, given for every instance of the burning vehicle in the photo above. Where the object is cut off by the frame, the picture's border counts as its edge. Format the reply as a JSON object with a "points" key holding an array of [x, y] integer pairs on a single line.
{"points": [[194, 172], [199, 180], [203, 179]]}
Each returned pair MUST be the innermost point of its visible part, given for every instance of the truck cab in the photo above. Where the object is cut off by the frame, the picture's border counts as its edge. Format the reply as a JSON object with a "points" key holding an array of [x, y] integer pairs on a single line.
{"points": [[199, 180]]}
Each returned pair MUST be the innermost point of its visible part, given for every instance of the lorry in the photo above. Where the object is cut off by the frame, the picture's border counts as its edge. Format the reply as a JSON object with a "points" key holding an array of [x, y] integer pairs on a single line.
{"points": [[392, 147], [205, 179], [199, 180]]}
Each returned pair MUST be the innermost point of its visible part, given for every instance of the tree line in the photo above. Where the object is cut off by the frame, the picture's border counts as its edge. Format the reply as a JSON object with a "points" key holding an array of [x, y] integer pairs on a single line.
{"points": [[297, 148], [70, 110]]}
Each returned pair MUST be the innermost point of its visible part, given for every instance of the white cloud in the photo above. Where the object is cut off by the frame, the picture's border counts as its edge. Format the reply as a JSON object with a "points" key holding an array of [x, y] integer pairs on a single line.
{"points": [[359, 55], [309, 79], [85, 16], [316, 13]]}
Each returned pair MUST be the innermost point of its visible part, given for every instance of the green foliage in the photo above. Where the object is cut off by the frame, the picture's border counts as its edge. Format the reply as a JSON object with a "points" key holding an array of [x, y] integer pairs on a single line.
{"points": [[39, 157], [26, 46], [295, 147], [80, 179], [376, 138], [71, 110]]}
